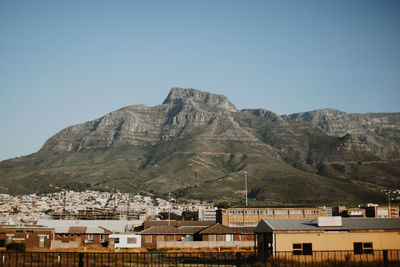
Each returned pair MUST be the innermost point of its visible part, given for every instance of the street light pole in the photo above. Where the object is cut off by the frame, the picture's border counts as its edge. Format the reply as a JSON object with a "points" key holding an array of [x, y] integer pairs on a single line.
{"points": [[389, 209], [245, 182]]}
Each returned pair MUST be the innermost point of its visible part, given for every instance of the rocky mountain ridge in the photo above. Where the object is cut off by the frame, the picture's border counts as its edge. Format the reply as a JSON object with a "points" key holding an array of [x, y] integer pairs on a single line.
{"points": [[197, 145], [379, 131]]}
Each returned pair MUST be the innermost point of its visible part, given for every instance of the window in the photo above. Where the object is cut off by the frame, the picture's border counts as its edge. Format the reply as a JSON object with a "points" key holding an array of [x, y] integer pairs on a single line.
{"points": [[311, 211], [281, 212], [116, 240], [160, 238], [296, 212], [102, 238], [90, 237], [41, 241], [302, 249], [251, 212], [147, 239], [19, 231], [363, 248], [132, 240]]}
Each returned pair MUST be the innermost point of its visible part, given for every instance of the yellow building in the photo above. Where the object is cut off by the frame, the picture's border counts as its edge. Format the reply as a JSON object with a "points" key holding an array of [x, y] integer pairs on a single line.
{"points": [[251, 216], [349, 236]]}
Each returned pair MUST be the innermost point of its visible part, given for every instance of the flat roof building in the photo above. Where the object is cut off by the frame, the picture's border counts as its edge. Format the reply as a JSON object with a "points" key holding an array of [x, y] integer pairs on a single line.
{"points": [[251, 216]]}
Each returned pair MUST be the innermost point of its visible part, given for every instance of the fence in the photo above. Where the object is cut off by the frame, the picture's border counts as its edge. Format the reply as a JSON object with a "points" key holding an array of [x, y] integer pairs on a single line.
{"points": [[389, 258]]}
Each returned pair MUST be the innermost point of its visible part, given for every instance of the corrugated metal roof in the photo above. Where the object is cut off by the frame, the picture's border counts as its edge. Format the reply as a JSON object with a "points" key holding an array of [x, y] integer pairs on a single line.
{"points": [[268, 225]]}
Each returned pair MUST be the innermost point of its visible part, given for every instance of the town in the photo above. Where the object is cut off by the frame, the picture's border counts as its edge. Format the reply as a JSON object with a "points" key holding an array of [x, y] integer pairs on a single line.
{"points": [[104, 221]]}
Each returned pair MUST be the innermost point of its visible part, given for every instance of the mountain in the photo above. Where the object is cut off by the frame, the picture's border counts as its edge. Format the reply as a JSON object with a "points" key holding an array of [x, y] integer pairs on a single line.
{"points": [[198, 145]]}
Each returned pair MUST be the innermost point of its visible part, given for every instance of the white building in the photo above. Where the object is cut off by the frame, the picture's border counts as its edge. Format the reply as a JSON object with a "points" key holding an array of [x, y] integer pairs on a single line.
{"points": [[126, 240]]}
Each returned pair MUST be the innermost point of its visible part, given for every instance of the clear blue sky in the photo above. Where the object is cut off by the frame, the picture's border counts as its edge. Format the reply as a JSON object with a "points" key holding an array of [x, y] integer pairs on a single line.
{"points": [[67, 62]]}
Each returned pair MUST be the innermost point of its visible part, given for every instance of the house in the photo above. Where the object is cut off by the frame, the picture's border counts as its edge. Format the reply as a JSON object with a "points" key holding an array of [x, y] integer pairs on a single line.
{"points": [[125, 240], [306, 236], [80, 237], [6, 221], [33, 236], [116, 226], [219, 232], [250, 216], [151, 237], [193, 237]]}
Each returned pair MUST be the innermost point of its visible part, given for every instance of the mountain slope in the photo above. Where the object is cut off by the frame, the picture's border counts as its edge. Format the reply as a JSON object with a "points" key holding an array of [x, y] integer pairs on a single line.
{"points": [[198, 145]]}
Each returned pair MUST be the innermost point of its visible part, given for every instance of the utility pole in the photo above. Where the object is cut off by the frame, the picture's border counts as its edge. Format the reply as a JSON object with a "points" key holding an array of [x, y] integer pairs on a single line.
{"points": [[127, 208], [389, 211], [245, 183], [169, 210]]}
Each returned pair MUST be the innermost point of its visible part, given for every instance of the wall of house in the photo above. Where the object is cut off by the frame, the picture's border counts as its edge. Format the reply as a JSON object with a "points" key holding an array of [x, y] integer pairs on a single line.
{"points": [[222, 237], [205, 244], [82, 239], [124, 242], [338, 240], [150, 241], [30, 238]]}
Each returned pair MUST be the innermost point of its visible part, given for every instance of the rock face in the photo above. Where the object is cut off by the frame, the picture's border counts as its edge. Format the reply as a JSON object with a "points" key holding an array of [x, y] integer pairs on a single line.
{"points": [[379, 131], [198, 145]]}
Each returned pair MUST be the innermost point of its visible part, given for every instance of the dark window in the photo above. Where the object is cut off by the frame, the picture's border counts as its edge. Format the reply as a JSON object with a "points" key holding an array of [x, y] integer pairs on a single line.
{"points": [[116, 240], [19, 231], [363, 248], [302, 249], [307, 249]]}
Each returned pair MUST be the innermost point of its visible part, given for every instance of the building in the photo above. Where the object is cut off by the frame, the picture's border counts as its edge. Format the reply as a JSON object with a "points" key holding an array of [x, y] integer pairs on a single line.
{"points": [[251, 216], [153, 236], [33, 236], [306, 236], [88, 214], [80, 237], [219, 232], [351, 212], [125, 240], [6, 221], [207, 213], [196, 237], [116, 226], [391, 211]]}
